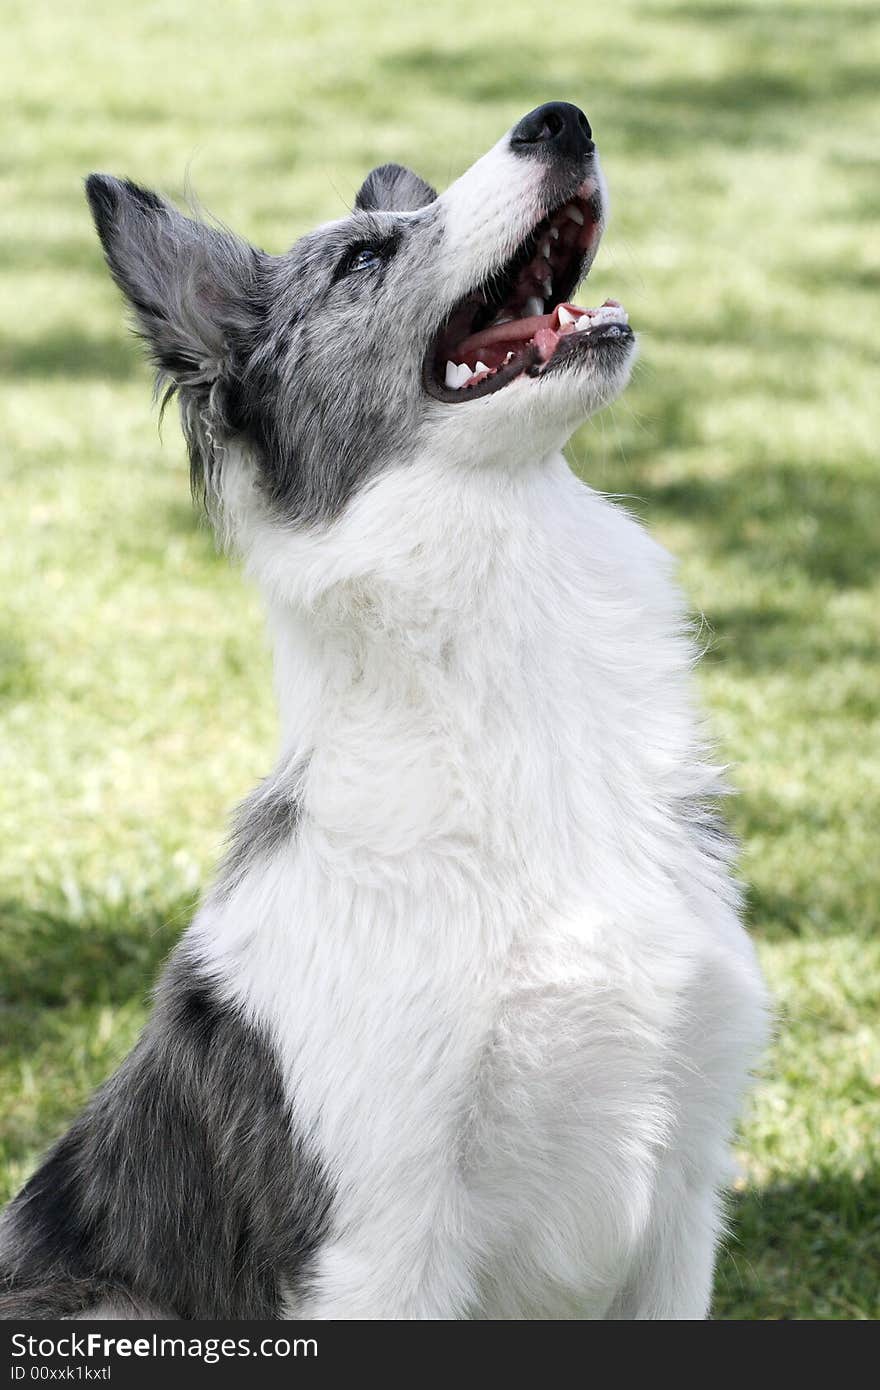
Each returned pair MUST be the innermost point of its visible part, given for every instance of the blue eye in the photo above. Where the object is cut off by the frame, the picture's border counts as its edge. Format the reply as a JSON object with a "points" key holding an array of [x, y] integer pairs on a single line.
{"points": [[365, 260], [367, 257]]}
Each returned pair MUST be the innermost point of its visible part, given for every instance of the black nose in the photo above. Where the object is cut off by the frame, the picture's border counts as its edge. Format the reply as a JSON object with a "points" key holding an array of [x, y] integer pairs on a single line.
{"points": [[555, 131]]}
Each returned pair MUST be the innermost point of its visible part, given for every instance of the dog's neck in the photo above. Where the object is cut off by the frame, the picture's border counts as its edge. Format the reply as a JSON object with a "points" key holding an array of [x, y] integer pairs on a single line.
{"points": [[432, 590], [468, 648]]}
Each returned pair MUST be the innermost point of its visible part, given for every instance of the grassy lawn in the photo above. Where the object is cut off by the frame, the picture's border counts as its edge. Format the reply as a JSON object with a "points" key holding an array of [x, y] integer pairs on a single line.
{"points": [[740, 143]]}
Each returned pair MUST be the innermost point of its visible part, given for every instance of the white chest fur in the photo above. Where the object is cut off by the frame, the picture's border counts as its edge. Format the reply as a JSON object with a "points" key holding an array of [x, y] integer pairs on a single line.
{"points": [[504, 972]]}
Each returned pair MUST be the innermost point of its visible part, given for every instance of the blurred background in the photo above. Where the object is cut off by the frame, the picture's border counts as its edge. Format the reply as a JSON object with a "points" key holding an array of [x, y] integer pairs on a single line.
{"points": [[740, 143]]}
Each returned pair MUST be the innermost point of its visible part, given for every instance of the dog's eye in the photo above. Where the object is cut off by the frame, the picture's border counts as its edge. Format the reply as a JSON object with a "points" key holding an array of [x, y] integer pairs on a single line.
{"points": [[360, 258], [365, 260]]}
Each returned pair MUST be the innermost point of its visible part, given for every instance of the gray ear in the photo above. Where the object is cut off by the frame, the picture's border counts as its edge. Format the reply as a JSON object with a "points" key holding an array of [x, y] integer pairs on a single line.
{"points": [[391, 188], [188, 283]]}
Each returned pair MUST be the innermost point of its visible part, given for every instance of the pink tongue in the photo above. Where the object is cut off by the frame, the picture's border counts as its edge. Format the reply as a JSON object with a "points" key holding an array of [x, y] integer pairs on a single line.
{"points": [[509, 334]]}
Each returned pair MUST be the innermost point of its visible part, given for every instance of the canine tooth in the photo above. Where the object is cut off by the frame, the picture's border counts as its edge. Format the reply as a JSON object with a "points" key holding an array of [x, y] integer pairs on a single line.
{"points": [[545, 247], [554, 233], [456, 374], [508, 358], [566, 317], [533, 306], [574, 213], [547, 284], [480, 367]]}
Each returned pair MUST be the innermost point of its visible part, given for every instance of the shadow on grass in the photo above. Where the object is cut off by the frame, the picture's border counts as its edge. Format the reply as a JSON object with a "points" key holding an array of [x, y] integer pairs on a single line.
{"points": [[824, 19], [748, 104], [774, 916], [101, 954], [70, 352], [19, 674], [46, 250], [746, 638], [60, 974], [803, 1249], [788, 520]]}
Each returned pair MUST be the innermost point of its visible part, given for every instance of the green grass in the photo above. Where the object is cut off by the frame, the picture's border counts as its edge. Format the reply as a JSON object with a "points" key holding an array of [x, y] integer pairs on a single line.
{"points": [[740, 143]]}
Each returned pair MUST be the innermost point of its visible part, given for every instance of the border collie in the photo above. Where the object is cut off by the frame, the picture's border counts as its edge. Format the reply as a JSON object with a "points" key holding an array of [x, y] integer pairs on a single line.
{"points": [[462, 1027]]}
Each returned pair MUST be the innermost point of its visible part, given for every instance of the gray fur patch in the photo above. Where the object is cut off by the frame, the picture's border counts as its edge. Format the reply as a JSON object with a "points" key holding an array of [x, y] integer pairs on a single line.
{"points": [[306, 358], [331, 393], [393, 188], [192, 289], [266, 818], [184, 1185]]}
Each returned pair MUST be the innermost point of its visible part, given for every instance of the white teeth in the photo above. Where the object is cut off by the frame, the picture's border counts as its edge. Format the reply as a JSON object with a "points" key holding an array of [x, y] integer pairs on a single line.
{"points": [[508, 358], [533, 306], [547, 287], [574, 213], [480, 367], [457, 375], [554, 233], [610, 313], [595, 318], [545, 247], [508, 318], [566, 317]]}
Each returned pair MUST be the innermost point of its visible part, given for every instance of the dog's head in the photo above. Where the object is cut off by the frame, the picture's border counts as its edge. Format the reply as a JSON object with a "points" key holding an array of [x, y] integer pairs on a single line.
{"points": [[419, 323]]}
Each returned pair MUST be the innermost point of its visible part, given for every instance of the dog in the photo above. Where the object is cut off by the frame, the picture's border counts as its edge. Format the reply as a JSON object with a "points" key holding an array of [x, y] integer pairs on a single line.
{"points": [[462, 1028]]}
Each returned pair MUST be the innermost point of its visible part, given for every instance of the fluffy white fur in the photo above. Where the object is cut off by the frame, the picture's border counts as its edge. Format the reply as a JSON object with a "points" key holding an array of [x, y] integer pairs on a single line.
{"points": [[513, 996], [500, 960]]}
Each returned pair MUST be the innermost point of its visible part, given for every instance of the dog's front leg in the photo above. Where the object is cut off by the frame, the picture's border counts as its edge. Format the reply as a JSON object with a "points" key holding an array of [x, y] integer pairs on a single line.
{"points": [[672, 1279]]}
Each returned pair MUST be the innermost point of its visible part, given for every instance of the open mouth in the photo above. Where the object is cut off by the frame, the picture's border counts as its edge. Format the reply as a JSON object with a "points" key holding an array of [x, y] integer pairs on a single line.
{"points": [[520, 322]]}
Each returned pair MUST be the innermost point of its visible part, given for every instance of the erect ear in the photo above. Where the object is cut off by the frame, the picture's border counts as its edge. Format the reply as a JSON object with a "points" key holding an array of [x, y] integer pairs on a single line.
{"points": [[391, 188], [188, 283]]}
